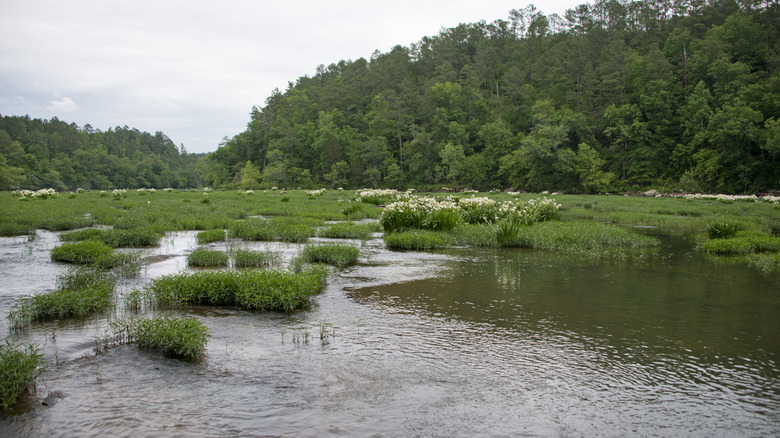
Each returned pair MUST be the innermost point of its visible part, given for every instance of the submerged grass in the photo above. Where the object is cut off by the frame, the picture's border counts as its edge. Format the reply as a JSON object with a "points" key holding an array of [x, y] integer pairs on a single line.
{"points": [[79, 293], [336, 255], [19, 367], [251, 289], [418, 240]]}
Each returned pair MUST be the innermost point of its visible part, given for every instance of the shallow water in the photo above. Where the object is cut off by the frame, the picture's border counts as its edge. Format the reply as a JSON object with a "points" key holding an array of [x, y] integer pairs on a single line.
{"points": [[460, 342]]}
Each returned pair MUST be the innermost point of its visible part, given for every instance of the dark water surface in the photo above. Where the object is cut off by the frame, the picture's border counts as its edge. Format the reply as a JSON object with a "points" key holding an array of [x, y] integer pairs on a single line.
{"points": [[463, 342]]}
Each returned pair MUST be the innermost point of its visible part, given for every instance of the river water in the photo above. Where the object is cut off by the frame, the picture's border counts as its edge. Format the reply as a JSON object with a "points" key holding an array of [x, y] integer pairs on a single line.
{"points": [[461, 342]]}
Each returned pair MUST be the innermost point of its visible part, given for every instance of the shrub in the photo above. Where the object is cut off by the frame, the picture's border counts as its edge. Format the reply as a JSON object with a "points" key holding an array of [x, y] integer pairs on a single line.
{"points": [[331, 254], [19, 367], [210, 236], [207, 258]]}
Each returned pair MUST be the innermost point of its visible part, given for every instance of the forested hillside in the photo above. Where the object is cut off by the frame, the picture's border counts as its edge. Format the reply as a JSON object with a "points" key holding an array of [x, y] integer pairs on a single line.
{"points": [[37, 154], [613, 96]]}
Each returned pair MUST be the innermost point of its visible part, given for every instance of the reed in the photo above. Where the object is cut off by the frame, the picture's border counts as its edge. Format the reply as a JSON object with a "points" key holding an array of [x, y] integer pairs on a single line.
{"points": [[20, 366]]}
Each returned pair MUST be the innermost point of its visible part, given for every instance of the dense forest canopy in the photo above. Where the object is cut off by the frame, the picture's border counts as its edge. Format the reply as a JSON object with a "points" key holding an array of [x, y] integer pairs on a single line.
{"points": [[36, 154], [612, 96]]}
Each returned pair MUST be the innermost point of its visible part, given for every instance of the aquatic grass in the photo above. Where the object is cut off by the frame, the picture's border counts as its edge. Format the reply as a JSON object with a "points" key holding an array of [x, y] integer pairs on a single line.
{"points": [[252, 289], [178, 337], [743, 242], [349, 230], [211, 236], [418, 240], [207, 258], [79, 293], [116, 238], [279, 229], [336, 255], [578, 237], [723, 229], [20, 366], [85, 252], [254, 259]]}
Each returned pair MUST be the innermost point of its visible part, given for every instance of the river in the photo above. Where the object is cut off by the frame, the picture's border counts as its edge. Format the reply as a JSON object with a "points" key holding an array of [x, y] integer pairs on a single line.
{"points": [[458, 342]]}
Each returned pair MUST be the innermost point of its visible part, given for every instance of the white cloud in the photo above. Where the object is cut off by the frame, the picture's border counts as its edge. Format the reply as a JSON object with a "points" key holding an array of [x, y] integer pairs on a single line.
{"points": [[66, 105]]}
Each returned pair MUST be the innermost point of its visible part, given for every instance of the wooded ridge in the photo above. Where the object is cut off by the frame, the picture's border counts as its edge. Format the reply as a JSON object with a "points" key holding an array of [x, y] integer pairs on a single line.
{"points": [[614, 96]]}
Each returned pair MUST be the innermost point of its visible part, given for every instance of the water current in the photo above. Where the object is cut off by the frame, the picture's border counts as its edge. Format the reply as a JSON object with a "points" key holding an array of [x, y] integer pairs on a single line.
{"points": [[460, 342]]}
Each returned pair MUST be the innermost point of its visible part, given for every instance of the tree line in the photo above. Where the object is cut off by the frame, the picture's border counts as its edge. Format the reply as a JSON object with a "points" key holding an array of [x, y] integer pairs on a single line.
{"points": [[612, 96], [36, 154]]}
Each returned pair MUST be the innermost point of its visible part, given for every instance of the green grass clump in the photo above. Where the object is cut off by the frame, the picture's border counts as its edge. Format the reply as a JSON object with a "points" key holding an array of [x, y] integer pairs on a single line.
{"points": [[86, 252], [207, 258], [349, 230], [722, 229], [210, 236], [419, 240], [743, 242], [116, 238], [254, 259], [178, 337], [337, 255], [576, 236], [283, 229], [251, 289], [19, 367], [79, 293]]}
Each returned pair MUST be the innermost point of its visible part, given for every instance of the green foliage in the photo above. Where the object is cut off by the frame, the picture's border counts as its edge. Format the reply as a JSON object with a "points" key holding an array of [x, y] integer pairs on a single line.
{"points": [[723, 229], [337, 255], [251, 289], [349, 230], [79, 293], [419, 240], [280, 229], [577, 237], [743, 242], [178, 337], [85, 252], [19, 367], [210, 236], [254, 259], [207, 258], [39, 154], [116, 238]]}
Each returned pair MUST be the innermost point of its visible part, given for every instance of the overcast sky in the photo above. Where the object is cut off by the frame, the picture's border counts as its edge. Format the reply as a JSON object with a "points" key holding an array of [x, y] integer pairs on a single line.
{"points": [[194, 69]]}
